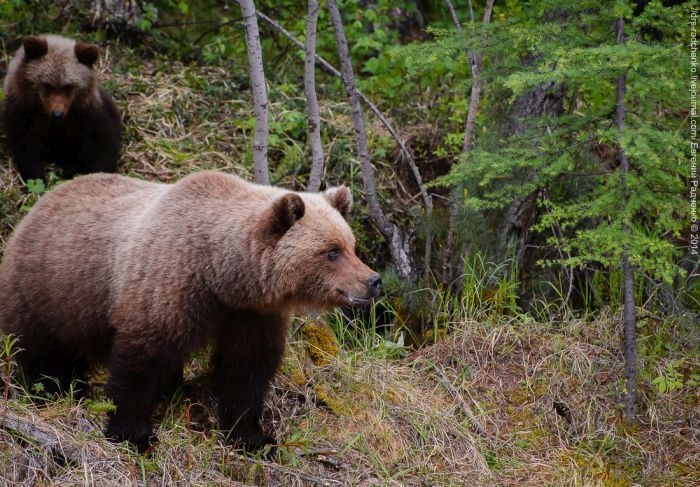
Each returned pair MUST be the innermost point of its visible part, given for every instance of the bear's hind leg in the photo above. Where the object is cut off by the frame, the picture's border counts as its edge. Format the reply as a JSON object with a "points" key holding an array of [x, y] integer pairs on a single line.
{"points": [[248, 353], [56, 370]]}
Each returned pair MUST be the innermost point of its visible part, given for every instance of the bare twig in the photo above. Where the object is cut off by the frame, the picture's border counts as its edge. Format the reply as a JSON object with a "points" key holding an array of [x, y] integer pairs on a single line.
{"points": [[285, 470], [49, 440], [453, 14]]}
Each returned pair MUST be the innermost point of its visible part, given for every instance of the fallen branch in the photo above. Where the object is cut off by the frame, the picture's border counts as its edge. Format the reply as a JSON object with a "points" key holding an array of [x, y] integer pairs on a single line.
{"points": [[464, 407], [29, 430]]}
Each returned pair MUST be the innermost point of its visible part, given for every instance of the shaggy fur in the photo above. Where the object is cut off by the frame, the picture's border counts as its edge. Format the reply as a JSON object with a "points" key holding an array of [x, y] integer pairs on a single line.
{"points": [[109, 269], [55, 110]]}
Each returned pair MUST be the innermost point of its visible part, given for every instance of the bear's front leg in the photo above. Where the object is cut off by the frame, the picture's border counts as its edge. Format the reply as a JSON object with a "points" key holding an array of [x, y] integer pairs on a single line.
{"points": [[99, 148], [27, 139], [248, 352], [138, 374]]}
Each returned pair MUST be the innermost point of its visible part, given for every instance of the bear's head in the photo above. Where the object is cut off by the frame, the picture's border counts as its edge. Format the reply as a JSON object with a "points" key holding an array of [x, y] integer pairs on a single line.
{"points": [[314, 250], [60, 72]]}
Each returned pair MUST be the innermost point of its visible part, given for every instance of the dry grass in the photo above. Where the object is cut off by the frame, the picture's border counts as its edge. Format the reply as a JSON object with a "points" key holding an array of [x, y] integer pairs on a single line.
{"points": [[502, 401]]}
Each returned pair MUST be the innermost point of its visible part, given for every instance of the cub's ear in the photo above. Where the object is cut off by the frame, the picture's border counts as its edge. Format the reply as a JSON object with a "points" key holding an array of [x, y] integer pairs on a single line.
{"points": [[340, 198], [286, 211], [34, 47], [86, 53]]}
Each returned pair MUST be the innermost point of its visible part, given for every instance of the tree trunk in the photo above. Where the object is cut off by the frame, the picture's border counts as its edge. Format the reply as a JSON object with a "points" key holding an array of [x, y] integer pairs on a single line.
{"points": [[474, 98], [628, 314], [259, 89], [314, 118], [399, 245]]}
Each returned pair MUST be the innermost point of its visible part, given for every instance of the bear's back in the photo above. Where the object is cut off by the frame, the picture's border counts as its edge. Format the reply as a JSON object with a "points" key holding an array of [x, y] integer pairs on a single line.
{"points": [[56, 268]]}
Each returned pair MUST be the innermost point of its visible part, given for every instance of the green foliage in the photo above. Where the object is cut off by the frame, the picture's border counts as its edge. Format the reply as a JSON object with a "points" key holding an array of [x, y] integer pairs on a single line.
{"points": [[19, 18], [569, 163]]}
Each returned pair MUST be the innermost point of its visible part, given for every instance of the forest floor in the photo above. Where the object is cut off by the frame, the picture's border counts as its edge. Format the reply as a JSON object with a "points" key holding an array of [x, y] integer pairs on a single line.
{"points": [[498, 400], [509, 403]]}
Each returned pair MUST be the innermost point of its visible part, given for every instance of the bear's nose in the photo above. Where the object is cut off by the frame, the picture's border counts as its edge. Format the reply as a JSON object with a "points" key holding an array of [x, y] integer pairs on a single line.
{"points": [[57, 114], [374, 282]]}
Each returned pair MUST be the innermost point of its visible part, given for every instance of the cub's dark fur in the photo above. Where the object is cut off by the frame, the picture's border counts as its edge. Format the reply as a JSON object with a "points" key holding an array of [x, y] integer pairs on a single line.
{"points": [[56, 111]]}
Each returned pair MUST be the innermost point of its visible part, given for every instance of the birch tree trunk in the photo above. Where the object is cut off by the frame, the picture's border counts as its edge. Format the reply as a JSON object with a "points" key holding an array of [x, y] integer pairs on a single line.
{"points": [[314, 118], [628, 315], [259, 90], [399, 245]]}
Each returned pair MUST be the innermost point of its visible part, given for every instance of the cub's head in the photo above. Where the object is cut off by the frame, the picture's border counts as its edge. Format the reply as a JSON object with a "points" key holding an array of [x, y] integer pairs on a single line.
{"points": [[59, 71], [314, 250]]}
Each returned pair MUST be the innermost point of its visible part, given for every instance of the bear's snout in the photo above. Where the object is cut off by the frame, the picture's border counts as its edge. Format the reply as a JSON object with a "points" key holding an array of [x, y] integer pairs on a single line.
{"points": [[374, 284]]}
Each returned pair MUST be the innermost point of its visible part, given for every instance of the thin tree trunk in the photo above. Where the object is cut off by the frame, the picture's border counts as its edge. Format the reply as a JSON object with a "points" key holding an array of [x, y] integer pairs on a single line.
{"points": [[628, 315], [474, 98], [453, 14], [259, 89], [314, 118], [398, 244]]}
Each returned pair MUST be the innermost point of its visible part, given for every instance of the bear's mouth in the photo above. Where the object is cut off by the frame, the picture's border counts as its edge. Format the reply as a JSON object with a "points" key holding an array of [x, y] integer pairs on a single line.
{"points": [[351, 299]]}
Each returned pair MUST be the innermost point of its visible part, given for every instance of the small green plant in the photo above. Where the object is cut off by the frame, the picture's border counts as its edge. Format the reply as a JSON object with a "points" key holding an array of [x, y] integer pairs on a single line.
{"points": [[671, 378], [8, 350], [36, 186]]}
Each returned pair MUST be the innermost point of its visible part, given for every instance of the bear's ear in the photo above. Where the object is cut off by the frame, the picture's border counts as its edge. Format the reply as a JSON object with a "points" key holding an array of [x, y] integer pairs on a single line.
{"points": [[340, 198], [34, 47], [86, 53], [286, 211]]}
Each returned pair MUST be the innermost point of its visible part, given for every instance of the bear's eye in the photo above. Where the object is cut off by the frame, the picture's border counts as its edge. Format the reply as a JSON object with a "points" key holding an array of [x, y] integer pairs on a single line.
{"points": [[46, 87], [68, 89], [334, 254]]}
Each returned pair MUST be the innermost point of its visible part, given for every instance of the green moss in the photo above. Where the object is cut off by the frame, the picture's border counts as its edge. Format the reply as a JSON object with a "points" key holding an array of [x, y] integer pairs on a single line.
{"points": [[320, 342]]}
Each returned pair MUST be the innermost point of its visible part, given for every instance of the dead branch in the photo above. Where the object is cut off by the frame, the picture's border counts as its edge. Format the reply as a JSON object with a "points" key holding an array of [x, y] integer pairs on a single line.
{"points": [[30, 429]]}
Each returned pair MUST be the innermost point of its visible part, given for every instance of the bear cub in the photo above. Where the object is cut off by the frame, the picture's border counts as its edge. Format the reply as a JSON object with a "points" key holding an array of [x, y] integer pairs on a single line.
{"points": [[138, 275], [56, 111]]}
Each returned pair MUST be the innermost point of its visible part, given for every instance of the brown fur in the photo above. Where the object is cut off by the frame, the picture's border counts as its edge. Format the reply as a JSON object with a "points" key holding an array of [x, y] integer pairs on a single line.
{"points": [[139, 275], [56, 111]]}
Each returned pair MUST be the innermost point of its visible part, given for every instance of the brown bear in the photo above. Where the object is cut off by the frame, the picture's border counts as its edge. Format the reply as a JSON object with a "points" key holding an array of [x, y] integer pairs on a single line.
{"points": [[138, 275], [55, 110]]}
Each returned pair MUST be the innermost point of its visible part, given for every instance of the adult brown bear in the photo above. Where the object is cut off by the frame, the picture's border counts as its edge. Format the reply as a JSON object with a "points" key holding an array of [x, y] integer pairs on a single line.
{"points": [[56, 111], [138, 275]]}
